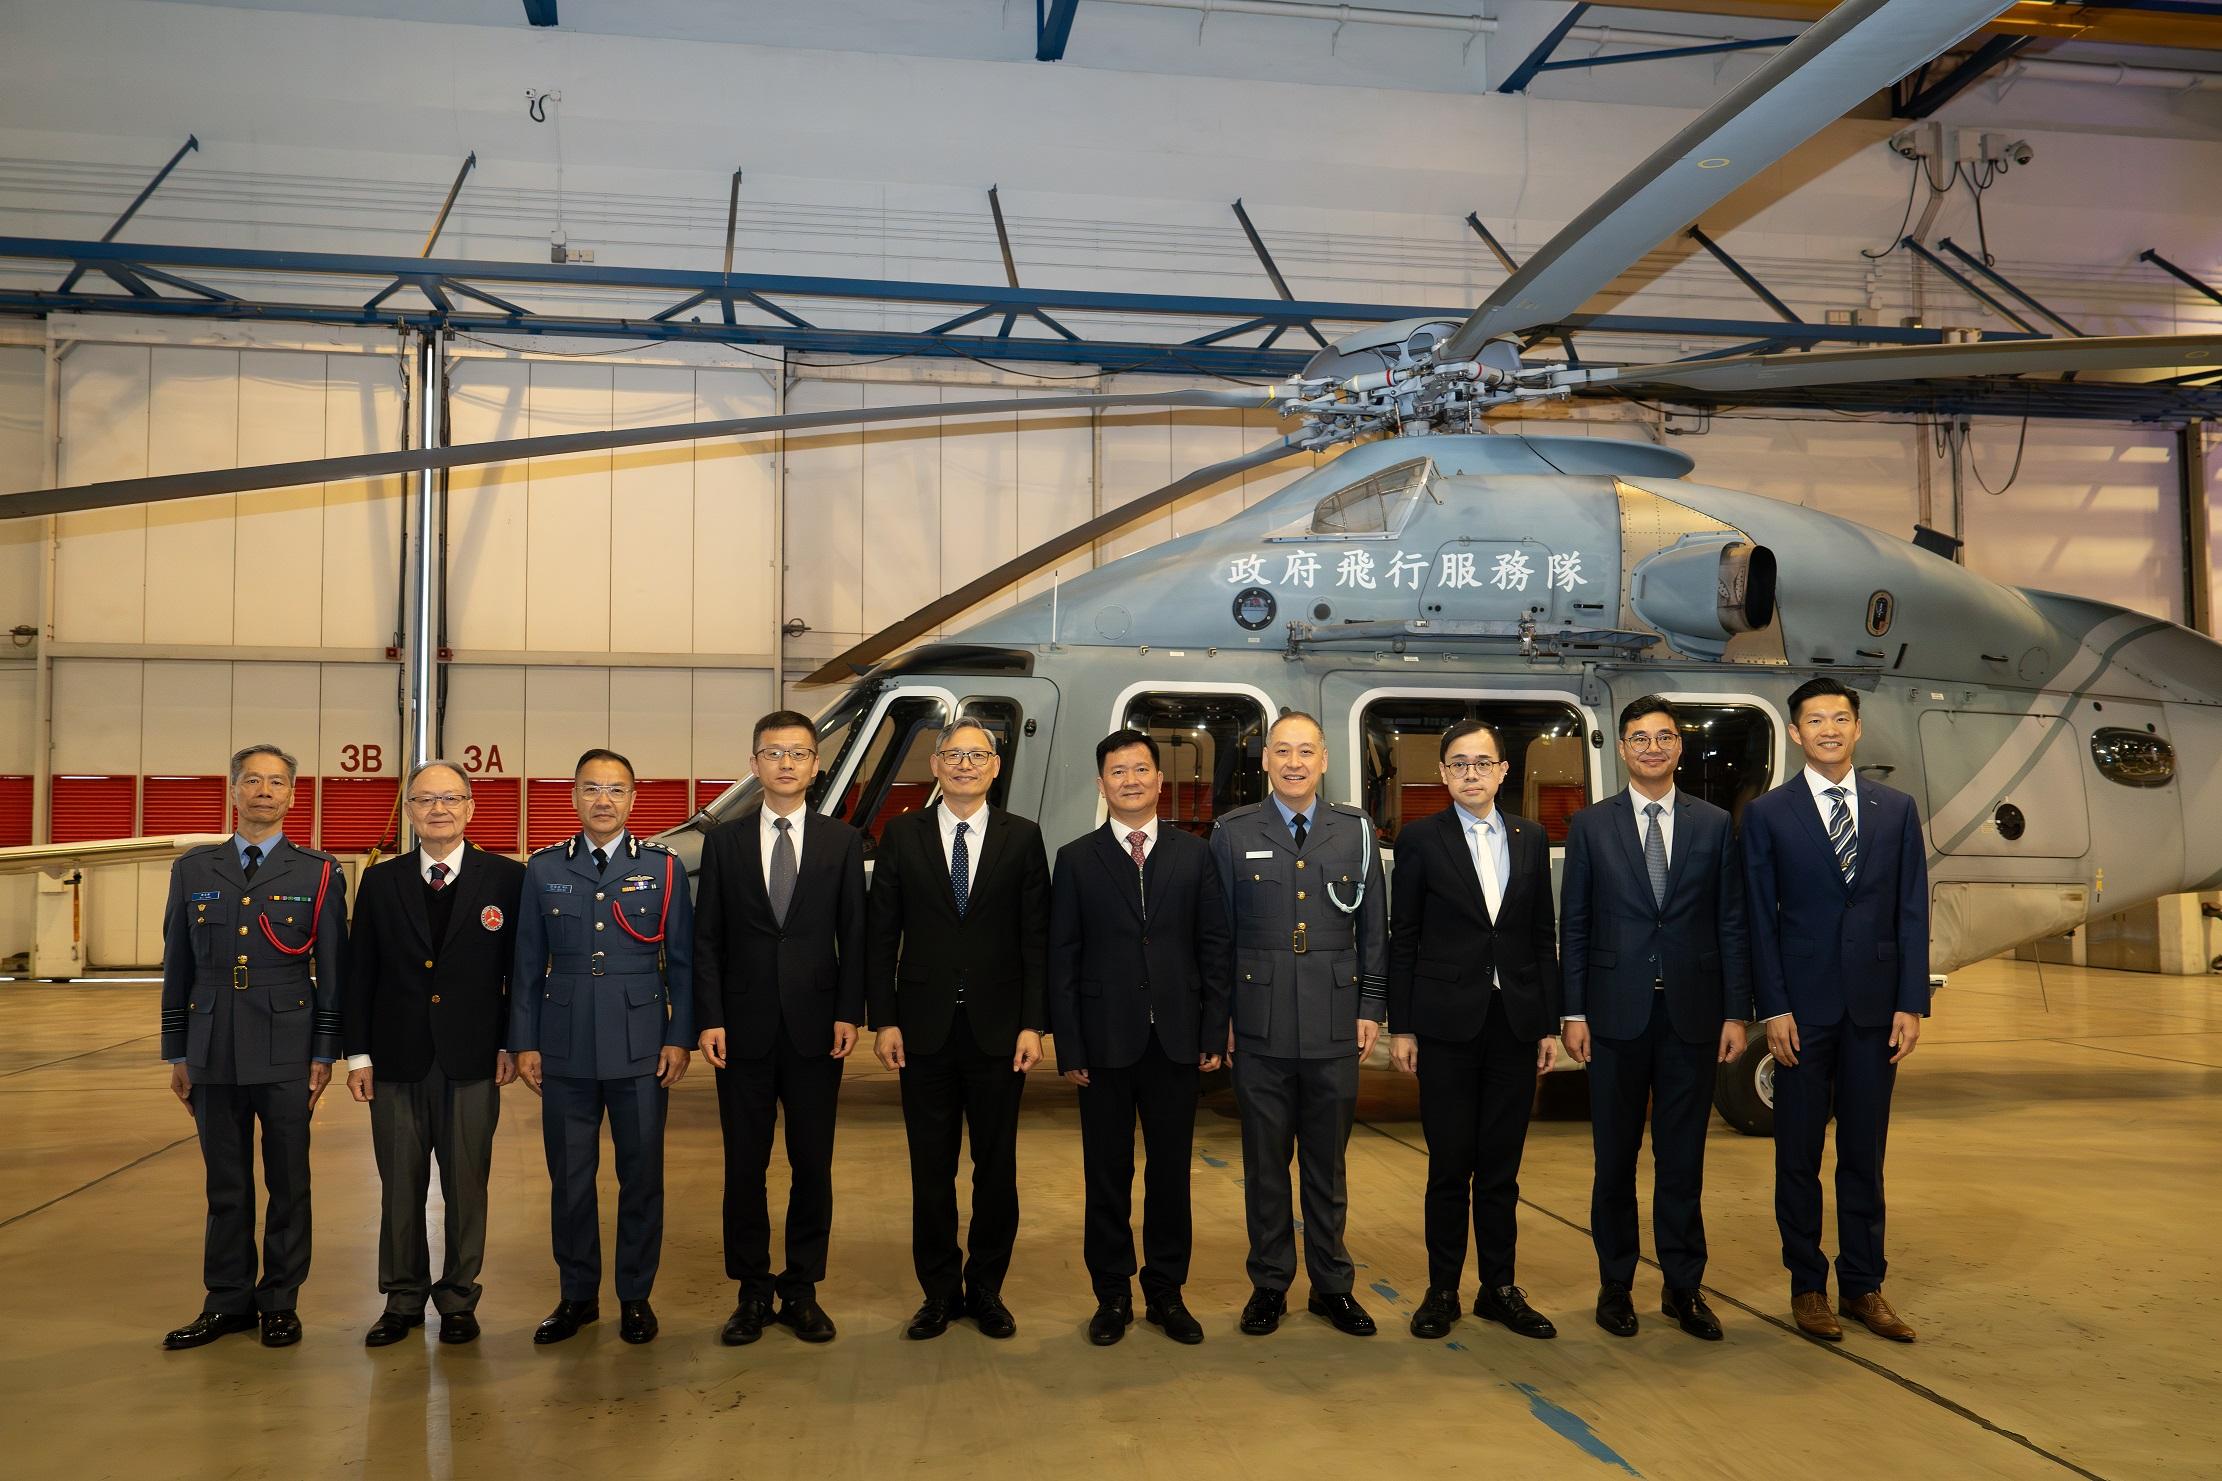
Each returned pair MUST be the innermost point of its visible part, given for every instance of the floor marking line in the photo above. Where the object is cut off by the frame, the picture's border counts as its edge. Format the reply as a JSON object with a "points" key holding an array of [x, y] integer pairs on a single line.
{"points": [[96, 1182], [65, 1059], [2196, 1064]]}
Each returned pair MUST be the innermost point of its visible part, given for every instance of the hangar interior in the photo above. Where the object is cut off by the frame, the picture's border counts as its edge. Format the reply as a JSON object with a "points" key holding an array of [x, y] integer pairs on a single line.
{"points": [[1194, 157]]}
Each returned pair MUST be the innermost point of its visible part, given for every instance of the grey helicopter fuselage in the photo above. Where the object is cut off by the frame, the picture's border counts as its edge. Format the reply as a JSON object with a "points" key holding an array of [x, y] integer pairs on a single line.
{"points": [[1556, 578]]}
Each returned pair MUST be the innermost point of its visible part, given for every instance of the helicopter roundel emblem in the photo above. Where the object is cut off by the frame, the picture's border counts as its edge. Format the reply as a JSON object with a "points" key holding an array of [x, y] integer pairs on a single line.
{"points": [[1253, 607], [1881, 607]]}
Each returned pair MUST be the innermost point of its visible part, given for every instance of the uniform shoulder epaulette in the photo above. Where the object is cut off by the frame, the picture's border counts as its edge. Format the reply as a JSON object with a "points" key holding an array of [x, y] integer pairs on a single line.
{"points": [[548, 848], [199, 849], [315, 853], [652, 845], [1351, 809], [1243, 811]]}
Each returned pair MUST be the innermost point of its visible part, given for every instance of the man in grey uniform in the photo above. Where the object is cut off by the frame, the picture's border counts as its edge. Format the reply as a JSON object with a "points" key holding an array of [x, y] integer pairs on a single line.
{"points": [[1303, 877], [250, 1037]]}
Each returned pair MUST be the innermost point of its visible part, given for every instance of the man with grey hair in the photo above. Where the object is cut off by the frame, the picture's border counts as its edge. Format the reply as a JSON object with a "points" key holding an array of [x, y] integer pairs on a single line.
{"points": [[427, 1005], [254, 938]]}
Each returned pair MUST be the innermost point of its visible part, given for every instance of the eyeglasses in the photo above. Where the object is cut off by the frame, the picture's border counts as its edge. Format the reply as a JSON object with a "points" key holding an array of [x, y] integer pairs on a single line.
{"points": [[1460, 766], [614, 791], [781, 755], [965, 758], [449, 800], [1643, 740]]}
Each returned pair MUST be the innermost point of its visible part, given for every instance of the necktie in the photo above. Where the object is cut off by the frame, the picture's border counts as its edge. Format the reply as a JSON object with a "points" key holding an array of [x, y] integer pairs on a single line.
{"points": [[781, 886], [601, 857], [960, 870], [1485, 860], [1654, 853], [1134, 841], [438, 874], [253, 856], [1301, 829], [1843, 837]]}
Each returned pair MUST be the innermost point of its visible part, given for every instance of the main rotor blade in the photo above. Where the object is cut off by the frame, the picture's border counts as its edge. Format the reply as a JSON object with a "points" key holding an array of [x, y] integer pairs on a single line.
{"points": [[1856, 49], [377, 465], [1913, 362], [876, 647]]}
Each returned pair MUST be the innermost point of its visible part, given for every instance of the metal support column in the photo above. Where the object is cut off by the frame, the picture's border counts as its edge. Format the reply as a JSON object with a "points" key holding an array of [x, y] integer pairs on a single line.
{"points": [[2198, 527], [421, 653]]}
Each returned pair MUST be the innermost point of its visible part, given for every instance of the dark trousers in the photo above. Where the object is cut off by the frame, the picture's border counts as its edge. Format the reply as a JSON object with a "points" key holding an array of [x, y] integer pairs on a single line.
{"points": [[1675, 1079], [1844, 1069], [1304, 1106], [1163, 1094], [411, 1123], [1475, 1099], [226, 1116], [571, 1127], [753, 1094], [953, 1091]]}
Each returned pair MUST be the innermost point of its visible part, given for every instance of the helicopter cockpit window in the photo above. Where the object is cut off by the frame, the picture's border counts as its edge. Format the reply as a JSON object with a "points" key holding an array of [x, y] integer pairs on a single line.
{"points": [[1210, 747], [1545, 742], [2133, 758], [1727, 754], [1373, 508]]}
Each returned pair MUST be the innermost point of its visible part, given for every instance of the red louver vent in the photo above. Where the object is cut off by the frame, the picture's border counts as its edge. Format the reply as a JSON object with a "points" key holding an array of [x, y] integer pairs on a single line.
{"points": [[300, 820], [93, 807], [707, 792], [1422, 800], [549, 816], [15, 811], [497, 824], [185, 804], [1555, 806], [358, 814], [658, 805]]}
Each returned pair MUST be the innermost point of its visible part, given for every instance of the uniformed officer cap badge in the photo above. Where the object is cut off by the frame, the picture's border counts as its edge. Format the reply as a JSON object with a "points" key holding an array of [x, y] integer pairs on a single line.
{"points": [[491, 917]]}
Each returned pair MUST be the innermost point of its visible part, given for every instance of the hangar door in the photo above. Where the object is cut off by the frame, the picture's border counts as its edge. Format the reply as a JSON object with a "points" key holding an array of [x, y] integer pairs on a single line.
{"points": [[2004, 786]]}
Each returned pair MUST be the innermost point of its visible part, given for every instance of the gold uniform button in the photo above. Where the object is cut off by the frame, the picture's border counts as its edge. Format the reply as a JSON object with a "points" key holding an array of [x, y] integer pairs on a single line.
{"points": [[246, 899], [1299, 894], [1299, 863], [597, 925], [242, 930], [428, 964], [242, 961], [435, 997]]}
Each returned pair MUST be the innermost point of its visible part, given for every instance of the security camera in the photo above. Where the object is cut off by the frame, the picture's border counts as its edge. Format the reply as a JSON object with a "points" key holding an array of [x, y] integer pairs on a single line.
{"points": [[2000, 150], [1920, 141]]}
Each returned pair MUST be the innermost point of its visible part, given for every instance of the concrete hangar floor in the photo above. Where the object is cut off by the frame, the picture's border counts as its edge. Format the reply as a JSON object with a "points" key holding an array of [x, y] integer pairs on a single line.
{"points": [[2055, 1199]]}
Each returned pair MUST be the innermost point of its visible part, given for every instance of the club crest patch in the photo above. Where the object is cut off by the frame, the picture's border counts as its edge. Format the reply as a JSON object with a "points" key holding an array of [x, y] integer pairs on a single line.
{"points": [[491, 917]]}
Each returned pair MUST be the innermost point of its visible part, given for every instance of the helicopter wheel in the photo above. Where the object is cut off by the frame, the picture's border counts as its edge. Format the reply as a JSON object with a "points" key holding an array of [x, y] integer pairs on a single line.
{"points": [[1744, 1092]]}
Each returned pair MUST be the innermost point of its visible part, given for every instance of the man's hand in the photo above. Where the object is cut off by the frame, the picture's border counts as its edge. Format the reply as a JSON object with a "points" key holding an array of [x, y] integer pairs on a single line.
{"points": [[528, 1068], [1206, 1063], [320, 1075], [1230, 1041], [1078, 1077], [1576, 1034], [713, 1047], [1733, 1039], [1546, 1054], [1782, 1039], [671, 1065], [358, 1084], [1368, 1031], [1029, 1051], [889, 1047], [1404, 1053], [181, 1086], [844, 1039], [505, 1067], [1905, 1032]]}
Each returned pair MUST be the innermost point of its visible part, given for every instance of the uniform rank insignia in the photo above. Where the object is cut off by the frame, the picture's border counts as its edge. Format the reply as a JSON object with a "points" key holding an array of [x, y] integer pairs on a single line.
{"points": [[637, 882], [556, 889], [491, 917]]}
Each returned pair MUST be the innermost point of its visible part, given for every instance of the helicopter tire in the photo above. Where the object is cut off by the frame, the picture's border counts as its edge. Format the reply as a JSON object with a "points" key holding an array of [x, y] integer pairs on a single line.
{"points": [[1743, 1092]]}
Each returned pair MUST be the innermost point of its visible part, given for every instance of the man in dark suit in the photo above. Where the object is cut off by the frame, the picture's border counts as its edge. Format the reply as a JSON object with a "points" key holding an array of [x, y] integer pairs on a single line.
{"points": [[1838, 882], [1657, 967], [1473, 1010], [1140, 962], [250, 1038], [957, 959], [779, 992], [426, 1009]]}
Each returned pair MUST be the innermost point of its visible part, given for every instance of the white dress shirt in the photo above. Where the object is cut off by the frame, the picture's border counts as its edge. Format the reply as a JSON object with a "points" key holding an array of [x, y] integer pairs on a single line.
{"points": [[425, 860], [1120, 830], [976, 825], [768, 836]]}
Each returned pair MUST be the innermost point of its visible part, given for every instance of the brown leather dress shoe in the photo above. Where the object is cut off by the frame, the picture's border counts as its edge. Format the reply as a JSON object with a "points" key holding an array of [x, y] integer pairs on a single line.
{"points": [[1874, 1313], [1810, 1309]]}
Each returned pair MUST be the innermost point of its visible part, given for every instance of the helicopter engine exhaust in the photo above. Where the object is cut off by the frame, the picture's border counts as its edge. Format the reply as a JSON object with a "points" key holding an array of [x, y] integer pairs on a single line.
{"points": [[1705, 589]]}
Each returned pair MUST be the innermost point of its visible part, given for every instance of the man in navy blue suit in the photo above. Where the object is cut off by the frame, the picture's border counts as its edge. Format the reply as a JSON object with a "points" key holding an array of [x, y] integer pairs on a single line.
{"points": [[1658, 985], [1838, 884]]}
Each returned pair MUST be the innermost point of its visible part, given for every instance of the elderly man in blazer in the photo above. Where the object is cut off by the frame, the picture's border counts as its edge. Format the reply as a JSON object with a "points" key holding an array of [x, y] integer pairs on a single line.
{"points": [[1473, 1011], [1837, 877], [956, 959], [1658, 985], [1139, 963], [779, 992], [426, 1008]]}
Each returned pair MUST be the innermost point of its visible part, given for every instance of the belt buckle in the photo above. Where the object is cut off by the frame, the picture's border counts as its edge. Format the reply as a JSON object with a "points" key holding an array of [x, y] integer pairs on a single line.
{"points": [[239, 977], [594, 964], [1297, 941]]}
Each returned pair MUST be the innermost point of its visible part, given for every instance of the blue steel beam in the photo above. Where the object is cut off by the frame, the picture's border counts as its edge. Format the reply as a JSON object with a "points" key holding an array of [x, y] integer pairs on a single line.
{"points": [[1710, 48], [540, 12], [2149, 255], [1925, 98], [1992, 273], [191, 144], [1974, 290], [1534, 62], [1743, 275], [1053, 28]]}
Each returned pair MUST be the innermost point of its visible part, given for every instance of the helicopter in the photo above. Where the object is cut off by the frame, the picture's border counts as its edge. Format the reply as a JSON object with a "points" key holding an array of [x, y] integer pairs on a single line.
{"points": [[1437, 570]]}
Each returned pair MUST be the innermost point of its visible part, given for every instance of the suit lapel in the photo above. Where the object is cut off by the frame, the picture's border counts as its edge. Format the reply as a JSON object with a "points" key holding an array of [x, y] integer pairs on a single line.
{"points": [[986, 850], [1462, 860], [750, 865], [1118, 864], [1685, 838], [469, 887], [1808, 809], [227, 863], [1629, 824], [411, 886]]}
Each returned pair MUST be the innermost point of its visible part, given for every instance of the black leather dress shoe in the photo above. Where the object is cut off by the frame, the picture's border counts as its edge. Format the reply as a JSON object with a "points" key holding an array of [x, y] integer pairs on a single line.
{"points": [[747, 1322], [1437, 1314], [993, 1318], [1173, 1315], [1616, 1309], [1689, 1308], [636, 1322], [1262, 1316], [1343, 1310], [564, 1322], [282, 1328], [390, 1328], [1509, 1305], [1114, 1314], [458, 1327], [806, 1319], [207, 1327], [930, 1321]]}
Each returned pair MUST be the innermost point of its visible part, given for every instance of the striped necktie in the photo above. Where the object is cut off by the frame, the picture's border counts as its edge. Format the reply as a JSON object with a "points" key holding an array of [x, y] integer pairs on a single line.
{"points": [[1843, 837]]}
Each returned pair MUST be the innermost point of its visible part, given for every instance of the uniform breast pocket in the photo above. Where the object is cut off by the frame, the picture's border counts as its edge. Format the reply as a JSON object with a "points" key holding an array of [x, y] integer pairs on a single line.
{"points": [[643, 912], [563, 920], [1260, 885], [209, 933]]}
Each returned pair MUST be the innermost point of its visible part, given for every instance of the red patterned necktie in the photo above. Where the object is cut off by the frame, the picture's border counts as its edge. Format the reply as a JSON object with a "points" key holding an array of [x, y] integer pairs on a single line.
{"points": [[1134, 841], [439, 877]]}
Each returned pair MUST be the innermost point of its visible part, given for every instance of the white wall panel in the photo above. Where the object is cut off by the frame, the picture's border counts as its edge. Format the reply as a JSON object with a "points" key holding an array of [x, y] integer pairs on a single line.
{"points": [[22, 466], [486, 712], [567, 572], [1861, 471], [100, 572], [185, 718], [18, 719], [567, 710], [921, 539], [279, 704], [1199, 440], [358, 711], [192, 424], [280, 532], [362, 520], [651, 720], [489, 506], [2092, 513], [727, 704], [1055, 479], [652, 515], [1137, 456], [824, 530], [96, 715], [735, 551]]}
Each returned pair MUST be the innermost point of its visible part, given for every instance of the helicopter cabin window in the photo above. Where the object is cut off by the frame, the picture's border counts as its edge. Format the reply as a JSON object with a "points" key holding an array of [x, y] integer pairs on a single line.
{"points": [[1372, 508], [1545, 741], [896, 776], [1211, 749], [1727, 754]]}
